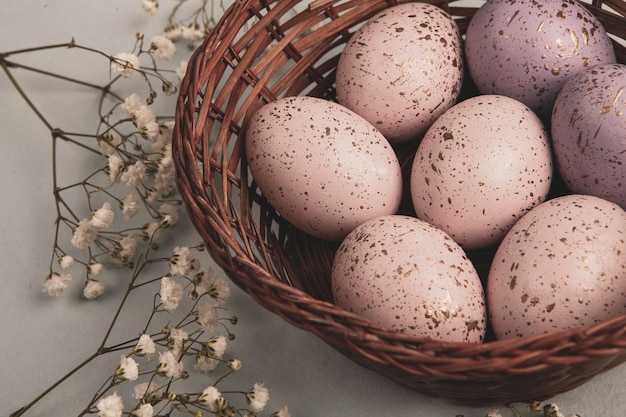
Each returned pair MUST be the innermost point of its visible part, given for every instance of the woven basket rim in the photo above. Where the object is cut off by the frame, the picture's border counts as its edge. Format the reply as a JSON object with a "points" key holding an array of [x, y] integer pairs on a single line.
{"points": [[216, 219]]}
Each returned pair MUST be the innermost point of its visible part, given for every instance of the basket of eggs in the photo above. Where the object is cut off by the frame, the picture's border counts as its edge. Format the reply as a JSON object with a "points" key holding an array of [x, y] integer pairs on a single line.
{"points": [[435, 189]]}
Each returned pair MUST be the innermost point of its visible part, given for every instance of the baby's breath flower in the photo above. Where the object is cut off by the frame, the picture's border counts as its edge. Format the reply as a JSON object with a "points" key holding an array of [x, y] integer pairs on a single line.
{"points": [[283, 412], [127, 369], [493, 413], [169, 213], [173, 31], [207, 316], [145, 346], [216, 346], [147, 392], [125, 64], [234, 364], [181, 261], [111, 406], [152, 230], [144, 410], [192, 31], [102, 217], [55, 284], [552, 410], [207, 282], [150, 6], [93, 289], [143, 116], [130, 206], [95, 269], [66, 261], [171, 293], [257, 397], [210, 397], [135, 174], [131, 105], [150, 131], [115, 165], [181, 70], [177, 341], [163, 47], [84, 235], [169, 366], [108, 142], [205, 363]]}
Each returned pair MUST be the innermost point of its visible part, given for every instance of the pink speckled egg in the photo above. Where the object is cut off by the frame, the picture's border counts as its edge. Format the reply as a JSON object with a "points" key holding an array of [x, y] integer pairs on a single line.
{"points": [[561, 266], [589, 132], [402, 69], [528, 49], [324, 168], [482, 165], [404, 274]]}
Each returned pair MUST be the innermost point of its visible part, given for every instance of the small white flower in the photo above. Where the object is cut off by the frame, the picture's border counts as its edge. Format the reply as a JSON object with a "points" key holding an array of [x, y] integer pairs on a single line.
{"points": [[129, 246], [173, 31], [55, 284], [144, 410], [102, 217], [95, 269], [209, 397], [130, 206], [143, 116], [171, 293], [84, 235], [150, 131], [135, 174], [257, 397], [147, 392], [181, 70], [177, 341], [111, 406], [125, 64], [234, 364], [207, 316], [169, 213], [150, 6], [109, 142], [494, 413], [127, 369], [163, 47], [217, 346], [115, 165], [93, 289], [131, 105], [192, 32], [66, 261], [169, 366], [283, 412], [145, 346], [165, 176], [181, 261], [207, 282], [205, 363]]}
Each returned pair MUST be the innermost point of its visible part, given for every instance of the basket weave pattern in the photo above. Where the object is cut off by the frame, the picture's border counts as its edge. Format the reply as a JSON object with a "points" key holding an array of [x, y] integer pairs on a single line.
{"points": [[265, 49]]}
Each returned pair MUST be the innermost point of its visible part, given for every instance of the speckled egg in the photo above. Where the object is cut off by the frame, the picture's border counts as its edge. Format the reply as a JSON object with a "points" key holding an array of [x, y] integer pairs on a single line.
{"points": [[404, 274], [402, 69], [528, 49], [482, 165], [589, 132], [563, 265], [324, 168]]}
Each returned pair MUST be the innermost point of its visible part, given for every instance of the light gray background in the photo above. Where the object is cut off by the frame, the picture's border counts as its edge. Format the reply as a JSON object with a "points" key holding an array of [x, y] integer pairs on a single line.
{"points": [[41, 338]]}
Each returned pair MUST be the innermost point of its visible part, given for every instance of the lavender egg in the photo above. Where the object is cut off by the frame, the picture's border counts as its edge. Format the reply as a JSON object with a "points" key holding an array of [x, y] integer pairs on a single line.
{"points": [[528, 49], [480, 167], [324, 168], [589, 132], [406, 275], [561, 266], [402, 69]]}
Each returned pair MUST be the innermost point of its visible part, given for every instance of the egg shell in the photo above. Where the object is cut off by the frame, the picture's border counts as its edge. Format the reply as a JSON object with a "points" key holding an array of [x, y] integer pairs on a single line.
{"points": [[402, 69], [482, 165], [589, 132], [324, 168], [528, 49], [561, 266], [404, 274]]}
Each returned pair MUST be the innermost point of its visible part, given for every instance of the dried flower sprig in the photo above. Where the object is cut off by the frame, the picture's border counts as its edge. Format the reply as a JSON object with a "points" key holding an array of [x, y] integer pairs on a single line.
{"points": [[532, 409], [124, 205]]}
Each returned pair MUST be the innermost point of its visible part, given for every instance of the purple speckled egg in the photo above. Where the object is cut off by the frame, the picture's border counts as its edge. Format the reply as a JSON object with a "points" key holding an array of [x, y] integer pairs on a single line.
{"points": [[324, 168], [402, 69], [480, 167], [589, 132], [528, 49], [404, 274], [561, 266]]}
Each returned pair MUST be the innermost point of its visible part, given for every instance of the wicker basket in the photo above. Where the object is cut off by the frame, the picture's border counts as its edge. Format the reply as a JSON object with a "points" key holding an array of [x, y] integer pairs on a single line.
{"points": [[265, 49]]}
